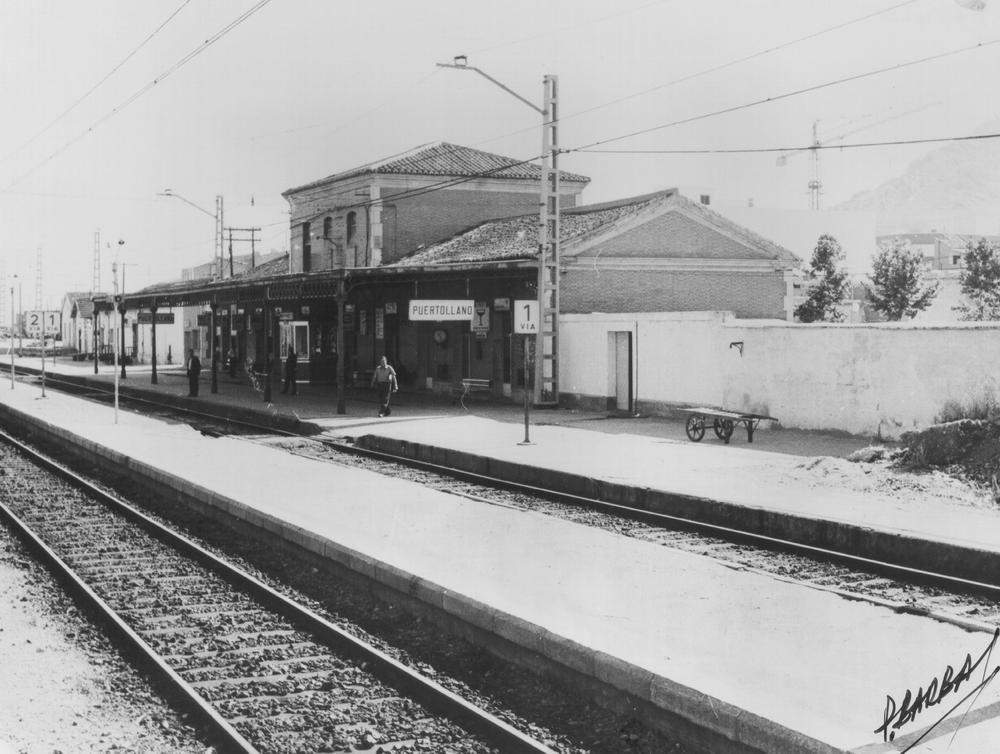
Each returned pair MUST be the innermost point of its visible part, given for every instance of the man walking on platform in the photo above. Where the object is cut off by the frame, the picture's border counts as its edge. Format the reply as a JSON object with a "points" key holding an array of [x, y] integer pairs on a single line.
{"points": [[291, 362], [385, 377], [193, 370]]}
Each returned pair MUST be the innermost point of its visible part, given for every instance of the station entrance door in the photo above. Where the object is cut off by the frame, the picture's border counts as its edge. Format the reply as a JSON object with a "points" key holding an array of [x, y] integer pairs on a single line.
{"points": [[620, 371]]}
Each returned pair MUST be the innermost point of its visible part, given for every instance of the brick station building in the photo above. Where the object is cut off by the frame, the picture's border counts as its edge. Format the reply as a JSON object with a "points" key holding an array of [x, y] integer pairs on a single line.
{"points": [[444, 223]]}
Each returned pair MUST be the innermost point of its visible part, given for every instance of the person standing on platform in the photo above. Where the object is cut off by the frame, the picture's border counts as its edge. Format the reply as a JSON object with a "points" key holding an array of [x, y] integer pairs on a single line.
{"points": [[385, 377], [193, 371], [232, 357], [291, 361]]}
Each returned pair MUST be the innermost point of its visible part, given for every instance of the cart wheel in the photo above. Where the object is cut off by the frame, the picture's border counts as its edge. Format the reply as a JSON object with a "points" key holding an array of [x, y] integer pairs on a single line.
{"points": [[723, 428], [695, 428]]}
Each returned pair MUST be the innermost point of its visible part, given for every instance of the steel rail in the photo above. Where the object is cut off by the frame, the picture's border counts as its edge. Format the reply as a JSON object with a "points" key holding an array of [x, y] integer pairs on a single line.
{"points": [[179, 689], [630, 512], [429, 693]]}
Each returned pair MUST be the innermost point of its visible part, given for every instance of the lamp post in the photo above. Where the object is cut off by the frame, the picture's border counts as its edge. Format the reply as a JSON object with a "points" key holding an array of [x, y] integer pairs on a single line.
{"points": [[11, 351], [20, 320], [217, 215], [546, 390]]}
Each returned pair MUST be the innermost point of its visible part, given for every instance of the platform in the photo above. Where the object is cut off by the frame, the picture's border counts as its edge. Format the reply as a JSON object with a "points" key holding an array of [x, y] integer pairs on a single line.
{"points": [[769, 664]]}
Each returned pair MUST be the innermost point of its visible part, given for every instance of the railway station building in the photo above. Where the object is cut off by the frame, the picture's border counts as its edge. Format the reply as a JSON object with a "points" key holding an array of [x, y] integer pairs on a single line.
{"points": [[374, 249]]}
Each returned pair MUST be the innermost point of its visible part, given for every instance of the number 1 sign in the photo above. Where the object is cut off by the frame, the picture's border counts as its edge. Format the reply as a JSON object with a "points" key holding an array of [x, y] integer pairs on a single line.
{"points": [[526, 317]]}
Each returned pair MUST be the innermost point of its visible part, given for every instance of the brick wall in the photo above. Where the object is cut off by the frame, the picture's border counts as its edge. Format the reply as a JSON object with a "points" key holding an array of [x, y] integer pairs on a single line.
{"points": [[675, 236], [750, 295]]}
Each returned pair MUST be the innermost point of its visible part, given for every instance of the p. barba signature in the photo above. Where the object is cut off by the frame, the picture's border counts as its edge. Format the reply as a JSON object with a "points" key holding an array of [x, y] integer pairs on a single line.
{"points": [[897, 715]]}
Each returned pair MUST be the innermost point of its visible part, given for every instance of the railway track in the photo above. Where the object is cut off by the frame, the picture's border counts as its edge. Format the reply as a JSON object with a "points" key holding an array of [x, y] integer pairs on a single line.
{"points": [[261, 672], [969, 603]]}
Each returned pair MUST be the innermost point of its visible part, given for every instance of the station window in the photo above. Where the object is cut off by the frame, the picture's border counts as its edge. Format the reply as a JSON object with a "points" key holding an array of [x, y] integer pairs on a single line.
{"points": [[306, 248], [352, 225], [327, 226]]}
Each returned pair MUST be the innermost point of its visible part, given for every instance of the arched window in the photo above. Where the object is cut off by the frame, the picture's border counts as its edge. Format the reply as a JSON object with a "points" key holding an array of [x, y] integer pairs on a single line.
{"points": [[327, 227], [352, 225]]}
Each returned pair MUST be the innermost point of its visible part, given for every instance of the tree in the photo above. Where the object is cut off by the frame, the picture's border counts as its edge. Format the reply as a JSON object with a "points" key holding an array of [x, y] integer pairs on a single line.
{"points": [[897, 284], [831, 283], [980, 281]]}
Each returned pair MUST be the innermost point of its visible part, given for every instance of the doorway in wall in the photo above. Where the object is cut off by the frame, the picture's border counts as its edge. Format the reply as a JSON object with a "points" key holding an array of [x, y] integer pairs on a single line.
{"points": [[620, 371]]}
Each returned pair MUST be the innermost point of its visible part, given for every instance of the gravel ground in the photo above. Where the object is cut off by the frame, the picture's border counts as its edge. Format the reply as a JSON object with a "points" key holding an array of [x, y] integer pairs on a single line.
{"points": [[548, 711], [65, 688]]}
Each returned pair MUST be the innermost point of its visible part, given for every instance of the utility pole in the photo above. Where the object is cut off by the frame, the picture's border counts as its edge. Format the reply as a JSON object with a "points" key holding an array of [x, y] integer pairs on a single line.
{"points": [[11, 351], [253, 245], [95, 285], [219, 224], [546, 390], [38, 307], [546, 342], [38, 279], [114, 274], [219, 228], [815, 184]]}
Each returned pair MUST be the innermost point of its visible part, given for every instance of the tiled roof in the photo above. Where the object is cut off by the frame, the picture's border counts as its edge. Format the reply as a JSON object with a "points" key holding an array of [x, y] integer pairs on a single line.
{"points": [[444, 159], [517, 237], [273, 266]]}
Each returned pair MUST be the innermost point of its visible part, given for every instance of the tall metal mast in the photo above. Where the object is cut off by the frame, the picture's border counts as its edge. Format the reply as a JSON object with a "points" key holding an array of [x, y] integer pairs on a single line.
{"points": [[546, 341], [95, 282], [38, 279]]}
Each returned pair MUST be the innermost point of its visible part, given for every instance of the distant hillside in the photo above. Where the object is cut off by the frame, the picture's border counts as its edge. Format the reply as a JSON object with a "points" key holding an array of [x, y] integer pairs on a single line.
{"points": [[955, 188]]}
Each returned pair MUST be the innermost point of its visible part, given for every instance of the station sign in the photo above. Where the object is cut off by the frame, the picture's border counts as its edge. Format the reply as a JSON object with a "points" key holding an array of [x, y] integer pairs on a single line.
{"points": [[501, 304], [526, 320], [286, 316], [390, 307], [434, 310], [36, 321], [162, 318]]}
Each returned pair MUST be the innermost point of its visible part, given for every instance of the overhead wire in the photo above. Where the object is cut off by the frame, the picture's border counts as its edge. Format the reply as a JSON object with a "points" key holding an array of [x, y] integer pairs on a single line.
{"points": [[713, 69], [786, 95], [144, 89], [94, 88], [808, 148]]}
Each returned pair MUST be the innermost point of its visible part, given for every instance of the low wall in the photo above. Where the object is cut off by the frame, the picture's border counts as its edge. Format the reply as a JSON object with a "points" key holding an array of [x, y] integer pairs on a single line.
{"points": [[871, 379]]}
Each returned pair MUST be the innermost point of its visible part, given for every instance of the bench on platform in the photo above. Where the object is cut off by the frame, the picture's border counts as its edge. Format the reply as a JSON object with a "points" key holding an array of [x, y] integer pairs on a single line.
{"points": [[473, 385]]}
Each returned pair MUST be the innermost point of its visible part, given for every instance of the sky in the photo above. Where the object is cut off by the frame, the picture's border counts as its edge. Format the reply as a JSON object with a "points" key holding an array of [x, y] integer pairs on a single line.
{"points": [[305, 88]]}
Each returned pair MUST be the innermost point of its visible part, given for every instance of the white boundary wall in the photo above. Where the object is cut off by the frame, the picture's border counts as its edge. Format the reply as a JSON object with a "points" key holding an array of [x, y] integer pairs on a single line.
{"points": [[873, 379]]}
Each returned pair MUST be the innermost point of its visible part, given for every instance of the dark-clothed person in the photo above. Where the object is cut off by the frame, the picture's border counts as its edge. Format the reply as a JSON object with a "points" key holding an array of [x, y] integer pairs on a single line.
{"points": [[232, 357], [291, 362], [193, 370], [385, 378]]}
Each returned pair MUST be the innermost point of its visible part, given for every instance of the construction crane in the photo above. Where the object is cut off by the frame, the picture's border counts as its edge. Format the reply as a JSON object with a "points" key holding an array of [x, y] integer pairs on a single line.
{"points": [[815, 184]]}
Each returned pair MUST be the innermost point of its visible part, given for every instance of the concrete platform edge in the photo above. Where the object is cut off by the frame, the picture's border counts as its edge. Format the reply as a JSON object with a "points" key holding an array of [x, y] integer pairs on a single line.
{"points": [[715, 717]]}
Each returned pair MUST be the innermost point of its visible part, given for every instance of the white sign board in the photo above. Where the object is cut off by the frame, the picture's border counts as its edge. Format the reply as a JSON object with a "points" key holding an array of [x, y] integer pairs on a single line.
{"points": [[431, 310], [526, 317], [34, 321]]}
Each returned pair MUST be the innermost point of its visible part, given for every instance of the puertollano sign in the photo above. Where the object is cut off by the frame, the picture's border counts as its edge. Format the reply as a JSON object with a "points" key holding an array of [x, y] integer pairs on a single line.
{"points": [[433, 310]]}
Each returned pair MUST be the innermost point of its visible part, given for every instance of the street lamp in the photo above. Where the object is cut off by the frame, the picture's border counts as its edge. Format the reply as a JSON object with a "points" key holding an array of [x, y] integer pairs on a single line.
{"points": [[11, 351], [218, 215], [546, 346]]}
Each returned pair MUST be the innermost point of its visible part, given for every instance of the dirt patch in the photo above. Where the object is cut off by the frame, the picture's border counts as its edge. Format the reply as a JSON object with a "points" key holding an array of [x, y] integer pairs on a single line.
{"points": [[968, 446]]}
